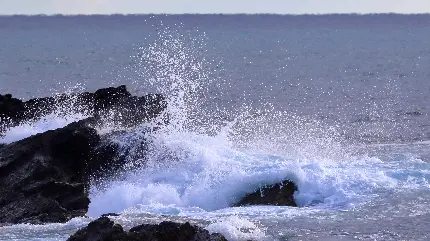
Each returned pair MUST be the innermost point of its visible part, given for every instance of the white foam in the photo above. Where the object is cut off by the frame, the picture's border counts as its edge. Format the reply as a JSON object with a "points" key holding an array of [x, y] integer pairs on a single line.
{"points": [[235, 228], [45, 232], [48, 122], [191, 170], [198, 169], [208, 165]]}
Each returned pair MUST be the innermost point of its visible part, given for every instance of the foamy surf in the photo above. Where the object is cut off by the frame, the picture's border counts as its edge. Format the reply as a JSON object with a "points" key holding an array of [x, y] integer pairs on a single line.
{"points": [[208, 173], [207, 157], [46, 123]]}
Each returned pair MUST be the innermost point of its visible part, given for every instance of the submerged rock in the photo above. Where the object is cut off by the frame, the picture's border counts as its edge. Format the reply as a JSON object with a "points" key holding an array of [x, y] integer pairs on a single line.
{"points": [[279, 194], [103, 229]]}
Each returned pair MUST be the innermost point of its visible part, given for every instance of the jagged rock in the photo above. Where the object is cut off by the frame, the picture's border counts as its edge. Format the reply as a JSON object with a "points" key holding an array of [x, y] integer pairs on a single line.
{"points": [[45, 177], [126, 109], [103, 229], [13, 111], [10, 107], [115, 104], [41, 177], [279, 194]]}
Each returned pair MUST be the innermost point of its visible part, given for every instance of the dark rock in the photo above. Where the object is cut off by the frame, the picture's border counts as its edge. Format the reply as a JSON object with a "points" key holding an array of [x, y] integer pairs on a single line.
{"points": [[41, 177], [279, 194], [110, 215], [110, 158], [14, 111], [167, 231], [107, 160], [105, 98], [115, 104], [11, 109], [103, 229], [38, 107], [45, 177]]}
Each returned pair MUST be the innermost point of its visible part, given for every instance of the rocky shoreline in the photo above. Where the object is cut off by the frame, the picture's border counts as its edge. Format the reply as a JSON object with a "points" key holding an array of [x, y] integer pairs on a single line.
{"points": [[45, 178], [105, 229]]}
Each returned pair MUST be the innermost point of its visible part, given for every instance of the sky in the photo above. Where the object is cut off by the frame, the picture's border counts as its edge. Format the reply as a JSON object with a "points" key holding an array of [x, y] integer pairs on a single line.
{"points": [[9, 7]]}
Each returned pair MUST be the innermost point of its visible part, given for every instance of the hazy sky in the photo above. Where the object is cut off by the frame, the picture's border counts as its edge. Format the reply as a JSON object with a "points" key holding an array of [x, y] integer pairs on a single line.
{"points": [[211, 6]]}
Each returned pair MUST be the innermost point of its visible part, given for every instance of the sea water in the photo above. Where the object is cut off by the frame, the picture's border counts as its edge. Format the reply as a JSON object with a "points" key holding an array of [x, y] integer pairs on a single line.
{"points": [[336, 103]]}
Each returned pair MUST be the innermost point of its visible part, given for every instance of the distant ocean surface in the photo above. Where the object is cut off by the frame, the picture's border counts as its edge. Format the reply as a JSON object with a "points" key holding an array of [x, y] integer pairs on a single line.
{"points": [[340, 104]]}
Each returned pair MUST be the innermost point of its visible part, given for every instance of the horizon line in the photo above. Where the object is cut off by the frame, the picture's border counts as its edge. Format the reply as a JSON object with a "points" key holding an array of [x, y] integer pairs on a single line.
{"points": [[178, 14]]}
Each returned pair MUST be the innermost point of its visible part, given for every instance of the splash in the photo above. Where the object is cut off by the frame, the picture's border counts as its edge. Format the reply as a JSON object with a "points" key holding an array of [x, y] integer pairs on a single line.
{"points": [[208, 156], [65, 111]]}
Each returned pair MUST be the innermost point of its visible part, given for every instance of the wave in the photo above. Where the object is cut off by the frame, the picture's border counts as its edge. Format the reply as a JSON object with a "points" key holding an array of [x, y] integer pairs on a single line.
{"points": [[208, 156], [198, 161]]}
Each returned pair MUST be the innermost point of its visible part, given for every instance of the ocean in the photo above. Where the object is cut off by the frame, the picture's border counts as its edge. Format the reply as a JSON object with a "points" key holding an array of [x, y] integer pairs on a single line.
{"points": [[339, 104]]}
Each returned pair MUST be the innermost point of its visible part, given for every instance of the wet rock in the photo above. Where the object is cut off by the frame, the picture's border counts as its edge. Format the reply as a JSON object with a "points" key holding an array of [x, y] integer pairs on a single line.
{"points": [[279, 194], [11, 110], [119, 107], [100, 229], [176, 232], [103, 229], [128, 110], [45, 177], [110, 215], [42, 177], [114, 104], [107, 160]]}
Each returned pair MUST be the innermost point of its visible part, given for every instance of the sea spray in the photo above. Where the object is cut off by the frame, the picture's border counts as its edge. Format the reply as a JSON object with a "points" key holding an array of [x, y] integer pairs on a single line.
{"points": [[64, 109], [200, 159]]}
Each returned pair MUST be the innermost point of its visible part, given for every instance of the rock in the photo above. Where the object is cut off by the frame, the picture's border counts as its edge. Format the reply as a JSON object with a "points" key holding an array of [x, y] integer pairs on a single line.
{"points": [[14, 111], [103, 229], [167, 231], [11, 110], [279, 194], [114, 104], [45, 177], [118, 106], [42, 177], [110, 215], [128, 110], [38, 107]]}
